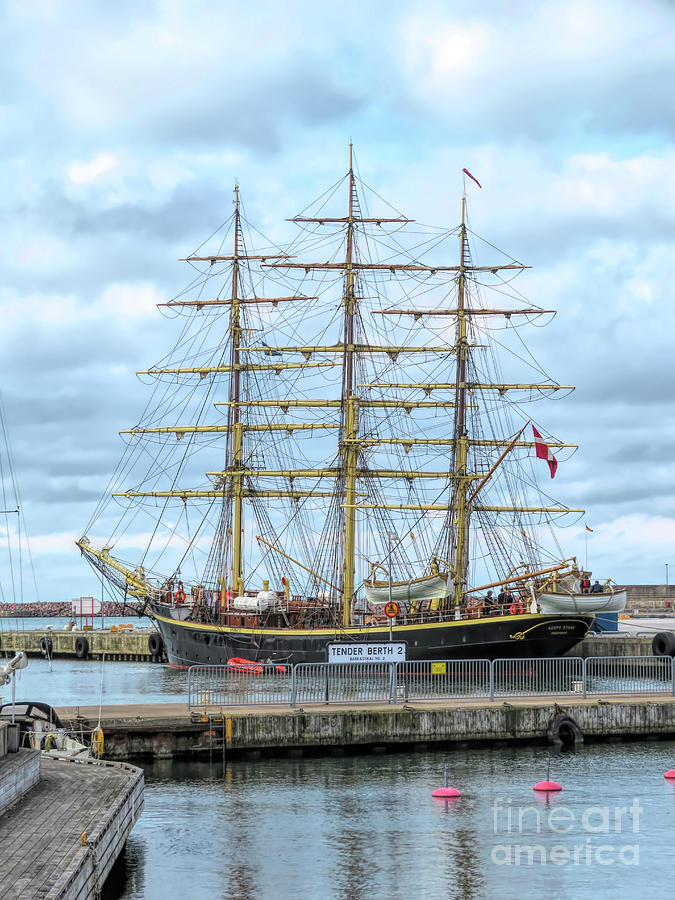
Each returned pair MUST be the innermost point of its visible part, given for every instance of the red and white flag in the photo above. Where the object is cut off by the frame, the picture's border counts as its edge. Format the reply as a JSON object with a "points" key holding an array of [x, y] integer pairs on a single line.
{"points": [[544, 451]]}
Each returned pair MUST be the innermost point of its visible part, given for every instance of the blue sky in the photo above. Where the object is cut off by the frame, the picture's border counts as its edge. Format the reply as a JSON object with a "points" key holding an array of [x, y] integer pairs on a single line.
{"points": [[124, 127]]}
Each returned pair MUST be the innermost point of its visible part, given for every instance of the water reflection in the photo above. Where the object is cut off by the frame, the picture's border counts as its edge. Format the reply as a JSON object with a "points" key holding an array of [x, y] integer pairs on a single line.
{"points": [[367, 826]]}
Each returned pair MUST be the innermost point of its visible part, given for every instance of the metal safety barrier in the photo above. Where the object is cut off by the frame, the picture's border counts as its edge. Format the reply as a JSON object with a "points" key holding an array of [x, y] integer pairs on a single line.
{"points": [[304, 684], [538, 677], [262, 684], [452, 678], [361, 682], [630, 674]]}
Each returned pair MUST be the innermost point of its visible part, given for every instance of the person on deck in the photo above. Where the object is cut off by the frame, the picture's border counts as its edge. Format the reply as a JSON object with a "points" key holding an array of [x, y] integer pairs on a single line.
{"points": [[585, 584], [597, 588], [491, 604], [501, 601]]}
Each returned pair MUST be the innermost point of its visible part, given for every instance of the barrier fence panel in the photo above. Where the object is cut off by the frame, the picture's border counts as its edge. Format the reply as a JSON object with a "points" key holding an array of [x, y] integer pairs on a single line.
{"points": [[377, 682], [436, 680], [523, 677], [259, 684], [629, 674], [367, 682]]}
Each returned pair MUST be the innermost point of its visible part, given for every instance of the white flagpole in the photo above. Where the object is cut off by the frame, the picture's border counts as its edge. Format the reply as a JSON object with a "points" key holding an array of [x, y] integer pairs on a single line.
{"points": [[585, 549]]}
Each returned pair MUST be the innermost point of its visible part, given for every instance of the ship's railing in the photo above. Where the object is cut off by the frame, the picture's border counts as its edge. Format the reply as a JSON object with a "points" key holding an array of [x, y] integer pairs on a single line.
{"points": [[306, 684]]}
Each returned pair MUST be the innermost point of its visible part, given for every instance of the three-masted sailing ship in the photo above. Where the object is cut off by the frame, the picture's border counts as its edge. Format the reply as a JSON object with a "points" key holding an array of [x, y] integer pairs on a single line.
{"points": [[364, 448]]}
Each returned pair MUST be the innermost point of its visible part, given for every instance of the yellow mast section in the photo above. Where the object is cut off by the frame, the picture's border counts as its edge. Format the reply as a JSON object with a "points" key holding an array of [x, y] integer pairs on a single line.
{"points": [[462, 483], [350, 448], [237, 441]]}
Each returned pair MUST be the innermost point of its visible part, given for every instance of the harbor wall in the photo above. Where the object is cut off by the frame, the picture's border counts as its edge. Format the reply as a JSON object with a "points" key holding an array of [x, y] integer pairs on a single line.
{"points": [[126, 645], [616, 645], [166, 730]]}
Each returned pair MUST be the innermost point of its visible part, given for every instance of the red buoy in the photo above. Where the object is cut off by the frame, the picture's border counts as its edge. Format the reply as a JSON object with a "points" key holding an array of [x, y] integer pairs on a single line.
{"points": [[446, 792], [547, 786], [670, 774]]}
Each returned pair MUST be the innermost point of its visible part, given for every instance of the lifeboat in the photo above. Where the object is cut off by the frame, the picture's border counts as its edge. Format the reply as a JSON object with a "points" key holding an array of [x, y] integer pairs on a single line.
{"points": [[250, 667]]}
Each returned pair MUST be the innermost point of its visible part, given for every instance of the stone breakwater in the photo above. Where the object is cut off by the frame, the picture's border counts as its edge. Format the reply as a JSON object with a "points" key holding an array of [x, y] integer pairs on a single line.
{"points": [[62, 608]]}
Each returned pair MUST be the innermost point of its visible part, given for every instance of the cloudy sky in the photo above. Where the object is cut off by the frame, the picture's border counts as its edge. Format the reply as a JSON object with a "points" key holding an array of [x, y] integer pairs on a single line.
{"points": [[125, 125]]}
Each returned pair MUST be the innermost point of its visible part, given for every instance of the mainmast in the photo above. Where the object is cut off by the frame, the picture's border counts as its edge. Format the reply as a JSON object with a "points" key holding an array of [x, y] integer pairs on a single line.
{"points": [[237, 442], [460, 481]]}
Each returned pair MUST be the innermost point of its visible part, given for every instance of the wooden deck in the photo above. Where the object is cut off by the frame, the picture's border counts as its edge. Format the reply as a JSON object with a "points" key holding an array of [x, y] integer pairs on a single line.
{"points": [[58, 840]]}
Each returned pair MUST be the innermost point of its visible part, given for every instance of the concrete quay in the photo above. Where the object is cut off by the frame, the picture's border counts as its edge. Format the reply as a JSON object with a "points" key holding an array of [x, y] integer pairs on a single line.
{"points": [[168, 729], [120, 645], [615, 644]]}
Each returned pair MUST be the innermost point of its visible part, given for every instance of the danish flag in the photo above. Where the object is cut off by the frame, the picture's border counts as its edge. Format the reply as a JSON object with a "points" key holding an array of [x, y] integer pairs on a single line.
{"points": [[544, 451]]}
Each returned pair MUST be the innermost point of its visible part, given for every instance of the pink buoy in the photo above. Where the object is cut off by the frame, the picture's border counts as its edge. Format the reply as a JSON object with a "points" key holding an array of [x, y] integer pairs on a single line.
{"points": [[670, 774], [547, 786], [446, 792]]}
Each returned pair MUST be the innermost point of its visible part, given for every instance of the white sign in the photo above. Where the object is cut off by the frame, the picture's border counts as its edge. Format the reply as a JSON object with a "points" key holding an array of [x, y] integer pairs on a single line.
{"points": [[86, 606], [381, 652]]}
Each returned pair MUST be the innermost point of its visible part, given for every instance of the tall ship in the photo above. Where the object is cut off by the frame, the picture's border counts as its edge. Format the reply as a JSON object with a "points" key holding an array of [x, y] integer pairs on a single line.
{"points": [[335, 452]]}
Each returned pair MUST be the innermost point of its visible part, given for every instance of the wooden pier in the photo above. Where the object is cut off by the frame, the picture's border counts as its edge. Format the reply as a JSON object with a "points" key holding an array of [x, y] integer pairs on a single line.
{"points": [[66, 827]]}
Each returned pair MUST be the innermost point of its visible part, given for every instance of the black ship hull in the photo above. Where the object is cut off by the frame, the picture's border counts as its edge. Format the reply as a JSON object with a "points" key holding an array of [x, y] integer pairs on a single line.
{"points": [[499, 637]]}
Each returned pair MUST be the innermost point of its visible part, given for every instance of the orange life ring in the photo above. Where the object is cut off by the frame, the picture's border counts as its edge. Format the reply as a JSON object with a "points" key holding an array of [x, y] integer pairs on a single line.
{"points": [[516, 609], [179, 596]]}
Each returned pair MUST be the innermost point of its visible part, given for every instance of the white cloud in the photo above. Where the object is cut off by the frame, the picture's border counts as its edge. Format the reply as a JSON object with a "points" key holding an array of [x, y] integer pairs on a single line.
{"points": [[91, 170], [548, 68], [149, 113]]}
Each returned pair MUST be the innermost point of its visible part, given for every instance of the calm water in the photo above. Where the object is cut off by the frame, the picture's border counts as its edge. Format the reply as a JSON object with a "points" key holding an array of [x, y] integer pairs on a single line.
{"points": [[73, 682], [367, 827]]}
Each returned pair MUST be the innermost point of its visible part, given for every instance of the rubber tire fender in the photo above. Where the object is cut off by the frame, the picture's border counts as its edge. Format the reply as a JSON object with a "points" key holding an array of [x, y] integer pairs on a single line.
{"points": [[663, 644], [46, 645], [81, 647], [562, 729], [155, 643]]}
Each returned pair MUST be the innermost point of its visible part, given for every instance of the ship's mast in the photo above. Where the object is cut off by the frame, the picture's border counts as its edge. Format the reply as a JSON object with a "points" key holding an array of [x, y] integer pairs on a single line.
{"points": [[235, 462], [349, 449], [350, 471], [460, 481]]}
